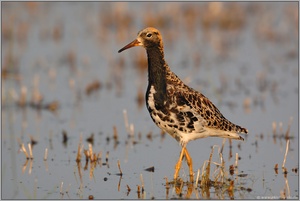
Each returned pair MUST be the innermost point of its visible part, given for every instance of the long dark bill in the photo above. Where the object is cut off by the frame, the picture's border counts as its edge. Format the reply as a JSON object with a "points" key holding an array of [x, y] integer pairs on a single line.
{"points": [[132, 44]]}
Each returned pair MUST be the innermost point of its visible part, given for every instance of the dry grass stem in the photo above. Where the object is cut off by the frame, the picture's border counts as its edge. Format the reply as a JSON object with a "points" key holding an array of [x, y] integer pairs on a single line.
{"points": [[287, 187], [91, 157], [221, 169], [142, 181], [119, 184], [86, 165], [230, 189], [79, 150], [197, 179], [115, 133], [289, 128], [46, 154], [167, 183], [131, 130], [223, 144], [167, 188], [283, 195], [30, 166], [119, 166], [92, 170], [107, 154], [80, 172], [219, 175], [91, 152], [30, 151], [128, 188], [274, 125], [86, 153], [205, 173], [99, 157], [126, 120], [236, 159], [286, 152], [23, 149], [138, 191], [24, 166], [61, 187]]}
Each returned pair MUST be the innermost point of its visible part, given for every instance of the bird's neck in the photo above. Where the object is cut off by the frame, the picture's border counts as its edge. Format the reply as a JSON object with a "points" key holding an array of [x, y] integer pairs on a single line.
{"points": [[157, 72]]}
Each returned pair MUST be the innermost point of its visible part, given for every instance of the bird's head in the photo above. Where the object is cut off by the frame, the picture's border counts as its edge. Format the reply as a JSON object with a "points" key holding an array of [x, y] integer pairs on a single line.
{"points": [[148, 38]]}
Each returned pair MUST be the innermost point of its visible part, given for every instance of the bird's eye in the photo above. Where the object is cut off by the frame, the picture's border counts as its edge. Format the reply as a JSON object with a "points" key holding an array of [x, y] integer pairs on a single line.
{"points": [[149, 35]]}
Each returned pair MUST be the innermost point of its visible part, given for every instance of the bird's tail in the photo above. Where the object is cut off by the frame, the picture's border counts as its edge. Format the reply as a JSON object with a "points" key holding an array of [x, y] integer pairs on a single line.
{"points": [[227, 134]]}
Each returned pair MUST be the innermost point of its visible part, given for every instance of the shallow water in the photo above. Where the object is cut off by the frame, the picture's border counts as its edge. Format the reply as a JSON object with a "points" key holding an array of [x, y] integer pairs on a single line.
{"points": [[246, 65]]}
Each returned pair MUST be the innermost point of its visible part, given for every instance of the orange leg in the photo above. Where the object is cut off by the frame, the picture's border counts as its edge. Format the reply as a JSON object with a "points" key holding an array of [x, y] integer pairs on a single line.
{"points": [[189, 163], [178, 164]]}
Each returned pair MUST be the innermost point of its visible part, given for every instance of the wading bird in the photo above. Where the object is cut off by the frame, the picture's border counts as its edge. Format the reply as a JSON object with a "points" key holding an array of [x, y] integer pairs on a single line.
{"points": [[177, 109]]}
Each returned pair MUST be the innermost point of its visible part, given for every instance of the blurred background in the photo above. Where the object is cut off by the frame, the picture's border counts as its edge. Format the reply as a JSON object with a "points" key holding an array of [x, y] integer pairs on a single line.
{"points": [[63, 83]]}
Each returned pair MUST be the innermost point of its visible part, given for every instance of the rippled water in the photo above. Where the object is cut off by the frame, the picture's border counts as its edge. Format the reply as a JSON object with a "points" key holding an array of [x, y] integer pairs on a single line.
{"points": [[242, 56]]}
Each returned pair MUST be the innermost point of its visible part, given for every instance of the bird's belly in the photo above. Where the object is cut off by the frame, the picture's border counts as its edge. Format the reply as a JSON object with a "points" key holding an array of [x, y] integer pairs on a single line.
{"points": [[165, 123], [170, 125], [170, 119]]}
